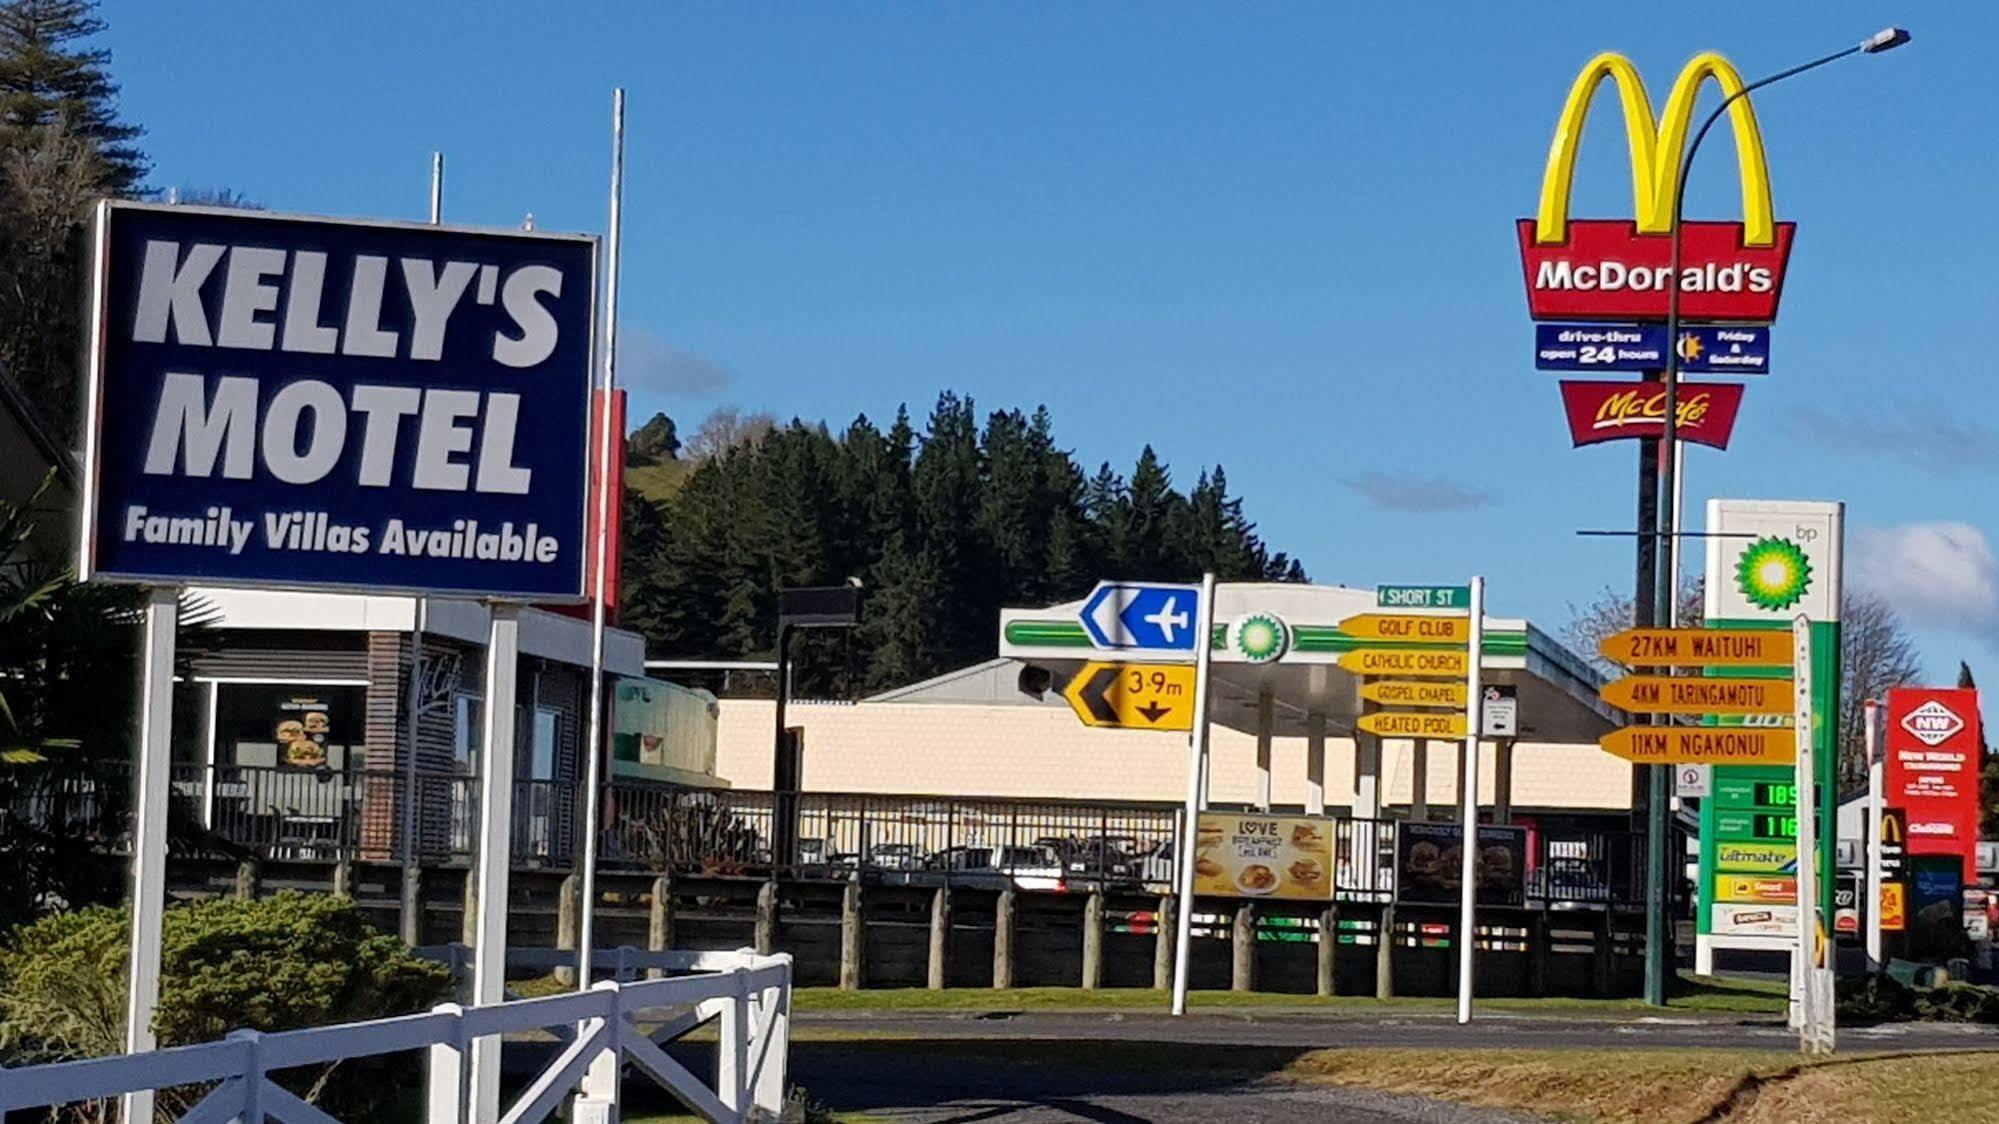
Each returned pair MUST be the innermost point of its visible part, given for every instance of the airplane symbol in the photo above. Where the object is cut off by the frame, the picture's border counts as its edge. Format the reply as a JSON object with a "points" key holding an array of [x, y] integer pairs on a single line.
{"points": [[1167, 619]]}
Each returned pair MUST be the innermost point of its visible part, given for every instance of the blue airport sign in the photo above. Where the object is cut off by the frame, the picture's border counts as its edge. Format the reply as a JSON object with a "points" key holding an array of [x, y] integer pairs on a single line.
{"points": [[286, 402], [1133, 616], [1705, 349]]}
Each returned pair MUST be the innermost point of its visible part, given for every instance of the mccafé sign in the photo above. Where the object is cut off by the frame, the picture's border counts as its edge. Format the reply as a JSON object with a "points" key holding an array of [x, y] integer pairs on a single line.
{"points": [[1617, 269], [1608, 411]]}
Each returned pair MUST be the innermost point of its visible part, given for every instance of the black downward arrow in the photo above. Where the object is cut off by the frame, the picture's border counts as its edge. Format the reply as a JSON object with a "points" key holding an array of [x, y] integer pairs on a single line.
{"points": [[1153, 711]]}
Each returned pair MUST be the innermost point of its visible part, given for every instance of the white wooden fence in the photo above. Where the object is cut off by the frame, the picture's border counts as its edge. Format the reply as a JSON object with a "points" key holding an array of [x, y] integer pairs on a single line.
{"points": [[748, 997]]}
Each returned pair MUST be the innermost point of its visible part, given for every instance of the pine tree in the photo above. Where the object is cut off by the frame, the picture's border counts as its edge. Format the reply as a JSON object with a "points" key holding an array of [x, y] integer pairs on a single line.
{"points": [[62, 147], [943, 532], [50, 80]]}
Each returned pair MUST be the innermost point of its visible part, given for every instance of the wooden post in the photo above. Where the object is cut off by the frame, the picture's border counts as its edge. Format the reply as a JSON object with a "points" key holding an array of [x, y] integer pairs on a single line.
{"points": [[1003, 940], [1604, 956], [247, 878], [1329, 945], [1162, 945], [468, 935], [940, 936], [852, 920], [1384, 953], [659, 915], [1242, 944], [567, 925], [766, 932], [343, 878], [1538, 951], [410, 918], [1093, 941]]}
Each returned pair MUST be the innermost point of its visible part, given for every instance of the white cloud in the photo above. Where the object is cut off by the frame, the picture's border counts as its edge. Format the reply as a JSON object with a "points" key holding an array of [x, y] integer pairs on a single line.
{"points": [[646, 362], [1937, 575], [1410, 491]]}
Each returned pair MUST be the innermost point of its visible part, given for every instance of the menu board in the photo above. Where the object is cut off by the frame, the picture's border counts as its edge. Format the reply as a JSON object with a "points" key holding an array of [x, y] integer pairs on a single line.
{"points": [[1429, 863], [1260, 856]]}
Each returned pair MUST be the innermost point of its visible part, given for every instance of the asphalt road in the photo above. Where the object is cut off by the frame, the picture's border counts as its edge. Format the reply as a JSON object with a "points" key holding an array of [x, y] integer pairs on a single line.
{"points": [[875, 1079], [1057, 1070]]}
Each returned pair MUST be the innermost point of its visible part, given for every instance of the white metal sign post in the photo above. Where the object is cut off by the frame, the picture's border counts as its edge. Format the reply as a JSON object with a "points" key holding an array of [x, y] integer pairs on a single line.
{"points": [[1197, 755], [1468, 806], [1811, 986], [496, 837], [151, 796], [1871, 909]]}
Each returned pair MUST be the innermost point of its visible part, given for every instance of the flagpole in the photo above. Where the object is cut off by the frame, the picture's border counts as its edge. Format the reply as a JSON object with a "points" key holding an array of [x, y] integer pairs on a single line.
{"points": [[594, 743]]}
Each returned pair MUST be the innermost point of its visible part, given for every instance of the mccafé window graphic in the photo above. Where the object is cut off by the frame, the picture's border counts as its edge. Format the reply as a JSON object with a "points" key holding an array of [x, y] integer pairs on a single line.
{"points": [[1620, 269]]}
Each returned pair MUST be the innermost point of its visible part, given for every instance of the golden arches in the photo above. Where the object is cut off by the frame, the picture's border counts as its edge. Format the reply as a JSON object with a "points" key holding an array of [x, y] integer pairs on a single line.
{"points": [[1656, 148]]}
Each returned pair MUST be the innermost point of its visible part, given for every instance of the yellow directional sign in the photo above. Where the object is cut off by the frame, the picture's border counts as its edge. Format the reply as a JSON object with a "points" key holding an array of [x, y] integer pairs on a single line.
{"points": [[1141, 696], [1404, 626], [1412, 724], [1688, 694], [1413, 692], [1390, 661], [1699, 647], [1703, 745]]}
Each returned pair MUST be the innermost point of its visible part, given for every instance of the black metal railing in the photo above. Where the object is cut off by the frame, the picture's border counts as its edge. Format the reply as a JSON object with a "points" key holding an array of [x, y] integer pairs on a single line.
{"points": [[324, 815]]}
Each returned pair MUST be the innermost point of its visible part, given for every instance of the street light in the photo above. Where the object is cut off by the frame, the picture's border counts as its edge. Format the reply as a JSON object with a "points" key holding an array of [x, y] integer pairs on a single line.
{"points": [[1666, 579]]}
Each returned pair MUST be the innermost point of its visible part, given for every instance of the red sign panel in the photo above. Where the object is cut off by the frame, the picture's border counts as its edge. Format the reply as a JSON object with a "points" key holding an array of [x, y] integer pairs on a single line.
{"points": [[1606, 270], [1932, 738], [615, 539], [1609, 411]]}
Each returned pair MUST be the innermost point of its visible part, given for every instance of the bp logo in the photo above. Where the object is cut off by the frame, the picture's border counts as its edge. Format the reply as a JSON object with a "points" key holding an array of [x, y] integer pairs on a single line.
{"points": [[1773, 573], [1259, 638]]}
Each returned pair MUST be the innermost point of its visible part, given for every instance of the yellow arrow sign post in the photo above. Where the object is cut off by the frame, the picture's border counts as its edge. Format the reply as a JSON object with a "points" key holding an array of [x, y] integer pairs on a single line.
{"points": [[1703, 745], [1412, 724], [1408, 627], [1141, 696], [1698, 647], [1393, 661], [1414, 692], [1663, 694]]}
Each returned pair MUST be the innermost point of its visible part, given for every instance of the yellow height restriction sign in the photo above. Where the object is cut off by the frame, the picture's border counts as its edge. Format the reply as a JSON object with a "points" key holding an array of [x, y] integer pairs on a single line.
{"points": [[1392, 661], [1698, 647], [1412, 724], [1703, 745], [1410, 627], [1664, 694], [1141, 696], [1414, 692]]}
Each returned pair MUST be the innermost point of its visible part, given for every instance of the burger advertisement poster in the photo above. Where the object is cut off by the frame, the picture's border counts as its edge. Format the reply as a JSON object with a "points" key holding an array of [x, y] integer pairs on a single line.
{"points": [[299, 729], [1429, 863], [1259, 856]]}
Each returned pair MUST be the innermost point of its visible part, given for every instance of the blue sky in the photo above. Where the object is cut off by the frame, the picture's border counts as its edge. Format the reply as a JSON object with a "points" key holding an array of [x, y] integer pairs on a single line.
{"points": [[1277, 237]]}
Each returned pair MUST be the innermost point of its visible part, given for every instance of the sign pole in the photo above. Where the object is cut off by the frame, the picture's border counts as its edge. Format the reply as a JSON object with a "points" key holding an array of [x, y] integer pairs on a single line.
{"points": [[1812, 986], [411, 921], [150, 799], [1871, 727], [598, 1097], [1468, 805], [496, 836], [1197, 754]]}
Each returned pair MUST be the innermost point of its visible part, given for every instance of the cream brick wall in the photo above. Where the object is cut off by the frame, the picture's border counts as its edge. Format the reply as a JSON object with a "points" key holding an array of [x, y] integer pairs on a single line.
{"points": [[951, 749]]}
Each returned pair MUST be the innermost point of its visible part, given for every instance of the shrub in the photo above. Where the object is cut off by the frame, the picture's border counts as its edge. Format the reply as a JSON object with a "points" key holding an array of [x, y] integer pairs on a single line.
{"points": [[1874, 998], [290, 961], [1959, 1002]]}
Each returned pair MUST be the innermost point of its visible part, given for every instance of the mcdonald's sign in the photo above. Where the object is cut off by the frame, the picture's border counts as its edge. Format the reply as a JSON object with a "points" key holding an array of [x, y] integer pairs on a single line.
{"points": [[1618, 269]]}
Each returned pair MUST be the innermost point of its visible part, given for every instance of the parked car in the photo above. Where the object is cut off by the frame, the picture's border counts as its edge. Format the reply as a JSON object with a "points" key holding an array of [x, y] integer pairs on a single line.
{"points": [[893, 856], [1020, 868], [1094, 859]]}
